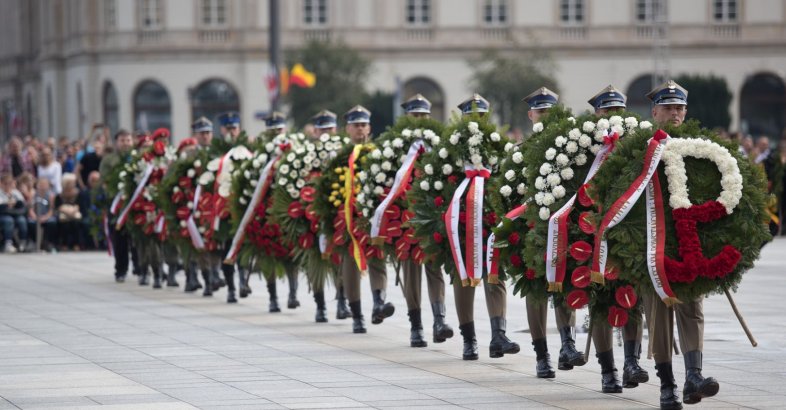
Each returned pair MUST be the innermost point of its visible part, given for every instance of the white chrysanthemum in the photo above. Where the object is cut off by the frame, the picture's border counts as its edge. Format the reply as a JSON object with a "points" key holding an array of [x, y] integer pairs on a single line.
{"points": [[472, 126], [521, 189], [443, 153], [253, 182], [406, 133], [553, 179], [291, 157], [506, 190], [255, 163], [206, 178], [508, 146], [588, 126], [378, 190], [429, 169], [386, 166], [603, 124], [594, 149], [631, 122], [550, 154], [537, 127], [389, 182], [316, 163], [567, 174], [510, 175], [581, 159], [297, 163], [524, 171], [438, 185], [284, 169], [122, 185], [303, 172], [417, 133], [495, 136], [374, 168], [424, 185], [435, 141], [517, 158], [379, 178], [300, 183], [493, 160], [362, 176], [615, 120], [474, 140], [548, 199], [585, 141], [324, 155], [560, 141], [476, 159], [645, 125], [388, 153], [454, 138], [572, 120], [562, 160], [539, 198], [600, 135], [540, 183], [182, 224], [571, 147], [618, 129], [447, 169], [545, 169], [365, 212], [398, 143], [190, 173], [224, 190], [558, 191]]}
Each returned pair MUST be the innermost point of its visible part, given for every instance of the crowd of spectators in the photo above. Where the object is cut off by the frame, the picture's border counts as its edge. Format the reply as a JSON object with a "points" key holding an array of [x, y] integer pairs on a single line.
{"points": [[47, 191]]}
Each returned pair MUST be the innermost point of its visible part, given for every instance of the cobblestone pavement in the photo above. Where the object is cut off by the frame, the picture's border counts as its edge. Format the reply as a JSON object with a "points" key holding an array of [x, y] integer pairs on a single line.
{"points": [[72, 338]]}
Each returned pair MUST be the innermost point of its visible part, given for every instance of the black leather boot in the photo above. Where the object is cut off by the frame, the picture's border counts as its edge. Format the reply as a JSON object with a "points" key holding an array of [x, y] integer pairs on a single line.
{"points": [[610, 381], [229, 274], [669, 395], [442, 330], [568, 355], [342, 310], [358, 324], [321, 316], [470, 342], [632, 373], [416, 329], [271, 290], [156, 277], [543, 368], [207, 276], [242, 278], [500, 344], [143, 280], [170, 276], [216, 280], [381, 309], [696, 386], [192, 283], [292, 302]]}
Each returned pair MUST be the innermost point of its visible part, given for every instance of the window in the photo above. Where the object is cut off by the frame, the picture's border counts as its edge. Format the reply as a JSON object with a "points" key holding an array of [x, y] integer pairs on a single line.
{"points": [[315, 12], [495, 11], [648, 11], [152, 108], [214, 12], [724, 11], [110, 14], [572, 11], [150, 12], [418, 11], [212, 98], [111, 108]]}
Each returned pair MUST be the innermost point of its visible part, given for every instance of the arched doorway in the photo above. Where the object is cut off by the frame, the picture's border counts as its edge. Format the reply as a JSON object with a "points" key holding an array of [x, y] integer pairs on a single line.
{"points": [[111, 107], [213, 97], [763, 105], [429, 89], [152, 107], [636, 92]]}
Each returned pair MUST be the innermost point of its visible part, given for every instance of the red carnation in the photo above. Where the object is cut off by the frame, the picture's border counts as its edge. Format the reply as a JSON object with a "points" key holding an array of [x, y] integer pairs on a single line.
{"points": [[581, 277], [514, 238], [438, 201], [515, 260], [159, 148], [618, 317], [626, 296], [453, 179], [490, 218], [577, 299], [437, 237], [530, 274]]}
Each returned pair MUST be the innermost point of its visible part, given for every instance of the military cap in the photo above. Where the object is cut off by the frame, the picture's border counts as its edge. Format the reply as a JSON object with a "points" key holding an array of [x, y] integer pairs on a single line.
{"points": [[358, 115], [668, 93], [160, 133], [417, 104], [609, 97], [324, 119], [202, 124], [476, 103], [186, 143], [229, 119], [275, 120], [541, 99]]}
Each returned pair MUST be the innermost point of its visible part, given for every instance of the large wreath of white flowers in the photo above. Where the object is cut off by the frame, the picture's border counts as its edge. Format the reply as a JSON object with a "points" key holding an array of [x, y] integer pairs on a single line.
{"points": [[572, 151], [731, 179], [304, 158], [384, 163], [224, 175]]}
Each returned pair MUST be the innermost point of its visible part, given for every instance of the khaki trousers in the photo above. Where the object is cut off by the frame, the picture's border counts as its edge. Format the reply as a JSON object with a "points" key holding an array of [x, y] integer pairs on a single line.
{"points": [[464, 296], [413, 274], [660, 322], [537, 314], [351, 277]]}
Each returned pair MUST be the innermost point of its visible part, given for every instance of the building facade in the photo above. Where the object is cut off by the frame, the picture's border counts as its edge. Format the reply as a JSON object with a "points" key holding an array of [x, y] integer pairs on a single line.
{"points": [[66, 64]]}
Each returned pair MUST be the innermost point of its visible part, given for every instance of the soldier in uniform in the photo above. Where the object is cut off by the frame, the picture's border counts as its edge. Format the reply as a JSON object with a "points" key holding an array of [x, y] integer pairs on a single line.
{"points": [[358, 128], [325, 122], [496, 295], [537, 311], [670, 105], [605, 102], [275, 124], [419, 106], [150, 257], [120, 240]]}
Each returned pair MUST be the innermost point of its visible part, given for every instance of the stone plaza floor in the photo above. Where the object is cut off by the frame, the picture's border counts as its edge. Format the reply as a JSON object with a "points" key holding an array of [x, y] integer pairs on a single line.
{"points": [[70, 337]]}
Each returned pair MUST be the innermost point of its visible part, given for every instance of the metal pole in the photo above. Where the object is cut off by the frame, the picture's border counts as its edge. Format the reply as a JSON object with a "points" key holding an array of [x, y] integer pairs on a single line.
{"points": [[275, 49]]}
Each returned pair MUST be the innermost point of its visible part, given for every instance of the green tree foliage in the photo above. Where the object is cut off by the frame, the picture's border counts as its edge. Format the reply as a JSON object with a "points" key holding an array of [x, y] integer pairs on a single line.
{"points": [[381, 106], [708, 99], [341, 75], [505, 80]]}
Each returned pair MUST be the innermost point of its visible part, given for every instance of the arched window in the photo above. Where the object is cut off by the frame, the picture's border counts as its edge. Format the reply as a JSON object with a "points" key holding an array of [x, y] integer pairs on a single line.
{"points": [[637, 102], [429, 89], [763, 105], [152, 108], [111, 108], [213, 97]]}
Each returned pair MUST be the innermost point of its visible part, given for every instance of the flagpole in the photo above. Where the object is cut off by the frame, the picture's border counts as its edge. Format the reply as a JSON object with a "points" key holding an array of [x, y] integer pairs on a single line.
{"points": [[275, 51]]}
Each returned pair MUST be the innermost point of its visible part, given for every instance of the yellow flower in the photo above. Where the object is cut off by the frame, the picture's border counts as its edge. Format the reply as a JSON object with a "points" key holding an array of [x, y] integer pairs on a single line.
{"points": [[341, 178], [339, 170], [337, 203], [335, 185]]}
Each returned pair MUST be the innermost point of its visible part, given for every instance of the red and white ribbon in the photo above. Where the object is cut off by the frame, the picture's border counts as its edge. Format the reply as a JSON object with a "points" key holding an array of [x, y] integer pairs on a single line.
{"points": [[159, 225], [105, 225], [263, 183], [470, 267], [557, 240], [656, 242], [139, 188], [492, 254], [193, 229], [116, 203], [399, 183]]}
